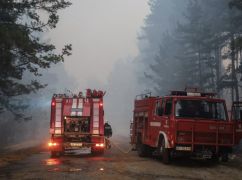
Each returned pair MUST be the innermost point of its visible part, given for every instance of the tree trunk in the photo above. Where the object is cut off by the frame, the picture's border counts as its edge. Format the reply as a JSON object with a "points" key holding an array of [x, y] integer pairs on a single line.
{"points": [[200, 67], [233, 73], [218, 69]]}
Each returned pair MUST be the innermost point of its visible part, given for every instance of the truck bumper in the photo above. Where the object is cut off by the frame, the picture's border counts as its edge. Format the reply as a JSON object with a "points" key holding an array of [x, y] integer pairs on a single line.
{"points": [[59, 145]]}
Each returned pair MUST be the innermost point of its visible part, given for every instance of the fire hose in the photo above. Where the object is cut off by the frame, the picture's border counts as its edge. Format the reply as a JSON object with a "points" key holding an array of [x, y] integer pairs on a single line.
{"points": [[119, 148]]}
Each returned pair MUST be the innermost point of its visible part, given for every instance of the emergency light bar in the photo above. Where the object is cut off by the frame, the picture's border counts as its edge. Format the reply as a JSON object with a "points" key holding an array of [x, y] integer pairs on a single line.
{"points": [[89, 94], [184, 93], [143, 96]]}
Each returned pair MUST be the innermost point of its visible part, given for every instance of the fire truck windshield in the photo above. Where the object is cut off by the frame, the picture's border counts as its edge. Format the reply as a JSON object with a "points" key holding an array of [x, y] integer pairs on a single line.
{"points": [[200, 109]]}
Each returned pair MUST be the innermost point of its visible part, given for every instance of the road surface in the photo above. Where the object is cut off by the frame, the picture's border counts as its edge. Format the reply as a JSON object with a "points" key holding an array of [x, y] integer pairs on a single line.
{"points": [[116, 165]]}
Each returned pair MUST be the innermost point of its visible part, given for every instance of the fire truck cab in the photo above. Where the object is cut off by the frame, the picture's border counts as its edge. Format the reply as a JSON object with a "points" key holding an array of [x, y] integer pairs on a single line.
{"points": [[184, 123], [77, 121]]}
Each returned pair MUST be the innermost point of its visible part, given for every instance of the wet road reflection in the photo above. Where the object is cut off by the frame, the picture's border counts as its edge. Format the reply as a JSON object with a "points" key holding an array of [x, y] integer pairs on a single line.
{"points": [[101, 169], [54, 170], [51, 162], [114, 165]]}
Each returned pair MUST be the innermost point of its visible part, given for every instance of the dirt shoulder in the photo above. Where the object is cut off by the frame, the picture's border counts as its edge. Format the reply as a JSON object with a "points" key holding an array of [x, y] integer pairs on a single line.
{"points": [[10, 155]]}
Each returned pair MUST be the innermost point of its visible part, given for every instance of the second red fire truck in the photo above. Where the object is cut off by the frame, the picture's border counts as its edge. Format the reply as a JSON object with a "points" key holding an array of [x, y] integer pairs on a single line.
{"points": [[77, 121], [185, 123]]}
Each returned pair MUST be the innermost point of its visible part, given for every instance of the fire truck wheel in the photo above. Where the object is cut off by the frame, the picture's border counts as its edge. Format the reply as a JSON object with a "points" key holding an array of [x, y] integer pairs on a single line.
{"points": [[165, 152], [55, 154], [97, 152], [142, 150]]}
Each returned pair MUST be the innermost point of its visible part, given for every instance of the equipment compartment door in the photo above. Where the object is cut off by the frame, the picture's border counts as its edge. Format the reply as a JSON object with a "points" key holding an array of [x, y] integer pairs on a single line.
{"points": [[77, 124]]}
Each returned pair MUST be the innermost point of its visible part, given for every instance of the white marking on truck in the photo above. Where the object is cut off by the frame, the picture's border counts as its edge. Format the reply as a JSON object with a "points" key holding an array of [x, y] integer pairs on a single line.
{"points": [[58, 118], [80, 107], [155, 124], [96, 118], [74, 106]]}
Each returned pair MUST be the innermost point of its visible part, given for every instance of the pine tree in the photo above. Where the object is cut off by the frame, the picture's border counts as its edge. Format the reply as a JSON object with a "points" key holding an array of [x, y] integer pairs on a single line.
{"points": [[165, 72], [22, 50]]}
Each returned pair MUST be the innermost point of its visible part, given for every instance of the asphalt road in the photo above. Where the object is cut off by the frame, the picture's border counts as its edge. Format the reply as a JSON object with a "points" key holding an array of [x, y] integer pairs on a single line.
{"points": [[116, 165]]}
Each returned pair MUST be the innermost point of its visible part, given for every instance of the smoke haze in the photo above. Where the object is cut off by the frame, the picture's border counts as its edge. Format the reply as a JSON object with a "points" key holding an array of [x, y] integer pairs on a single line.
{"points": [[112, 41], [104, 38]]}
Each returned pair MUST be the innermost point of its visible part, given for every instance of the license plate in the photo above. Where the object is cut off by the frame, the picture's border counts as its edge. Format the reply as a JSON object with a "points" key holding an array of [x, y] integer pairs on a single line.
{"points": [[76, 144], [183, 148]]}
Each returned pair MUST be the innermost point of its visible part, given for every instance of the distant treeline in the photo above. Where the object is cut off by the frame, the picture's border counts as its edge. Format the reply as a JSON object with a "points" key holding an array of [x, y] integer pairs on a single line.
{"points": [[198, 44]]}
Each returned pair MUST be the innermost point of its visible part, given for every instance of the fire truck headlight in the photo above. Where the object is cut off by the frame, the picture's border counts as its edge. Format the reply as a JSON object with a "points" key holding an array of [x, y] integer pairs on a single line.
{"points": [[102, 145], [99, 145], [50, 144]]}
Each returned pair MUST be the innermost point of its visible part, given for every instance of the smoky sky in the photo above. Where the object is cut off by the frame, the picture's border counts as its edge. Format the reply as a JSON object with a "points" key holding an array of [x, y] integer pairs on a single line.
{"points": [[107, 54], [102, 33], [108, 51]]}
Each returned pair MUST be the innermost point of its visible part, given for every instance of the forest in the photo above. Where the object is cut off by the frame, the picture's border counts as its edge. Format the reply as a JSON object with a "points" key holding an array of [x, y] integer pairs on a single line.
{"points": [[200, 48], [183, 43]]}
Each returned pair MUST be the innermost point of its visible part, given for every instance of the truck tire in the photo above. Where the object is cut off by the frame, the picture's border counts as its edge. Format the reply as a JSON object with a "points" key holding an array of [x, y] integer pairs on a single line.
{"points": [[163, 151], [97, 152], [142, 150], [55, 154]]}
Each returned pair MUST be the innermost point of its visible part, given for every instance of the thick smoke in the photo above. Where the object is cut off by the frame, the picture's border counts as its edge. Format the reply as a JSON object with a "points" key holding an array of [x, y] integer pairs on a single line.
{"points": [[122, 88], [127, 78], [36, 130]]}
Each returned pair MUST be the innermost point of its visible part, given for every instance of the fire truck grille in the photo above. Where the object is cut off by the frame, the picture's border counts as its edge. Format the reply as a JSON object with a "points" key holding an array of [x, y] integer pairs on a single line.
{"points": [[204, 138]]}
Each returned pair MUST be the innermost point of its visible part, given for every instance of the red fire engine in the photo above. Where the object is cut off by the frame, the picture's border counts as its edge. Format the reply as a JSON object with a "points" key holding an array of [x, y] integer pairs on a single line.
{"points": [[185, 123], [76, 122]]}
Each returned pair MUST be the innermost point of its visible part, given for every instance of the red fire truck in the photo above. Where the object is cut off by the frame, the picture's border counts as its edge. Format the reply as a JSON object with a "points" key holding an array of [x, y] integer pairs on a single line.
{"points": [[185, 123], [77, 121]]}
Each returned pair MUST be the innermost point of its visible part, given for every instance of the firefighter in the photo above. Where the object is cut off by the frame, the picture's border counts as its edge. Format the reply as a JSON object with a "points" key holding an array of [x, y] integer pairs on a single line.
{"points": [[107, 133], [107, 130]]}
